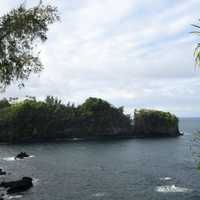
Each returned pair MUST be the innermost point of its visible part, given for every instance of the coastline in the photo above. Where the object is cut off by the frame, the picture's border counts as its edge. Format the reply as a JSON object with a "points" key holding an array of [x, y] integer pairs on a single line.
{"points": [[92, 138]]}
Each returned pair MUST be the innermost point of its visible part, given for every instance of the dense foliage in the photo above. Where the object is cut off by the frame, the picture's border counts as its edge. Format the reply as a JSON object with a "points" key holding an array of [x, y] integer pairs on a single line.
{"points": [[101, 117], [31, 120], [197, 49], [155, 123], [155, 116], [19, 30]]}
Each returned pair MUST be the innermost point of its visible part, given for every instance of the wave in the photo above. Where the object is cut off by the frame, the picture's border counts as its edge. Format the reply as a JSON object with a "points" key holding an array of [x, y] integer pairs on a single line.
{"points": [[166, 178], [31, 156], [99, 194], [171, 189], [12, 196], [13, 158], [9, 159], [35, 181]]}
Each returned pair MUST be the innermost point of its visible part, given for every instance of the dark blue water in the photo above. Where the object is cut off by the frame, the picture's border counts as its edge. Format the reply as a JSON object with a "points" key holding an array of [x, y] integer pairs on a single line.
{"points": [[134, 169]]}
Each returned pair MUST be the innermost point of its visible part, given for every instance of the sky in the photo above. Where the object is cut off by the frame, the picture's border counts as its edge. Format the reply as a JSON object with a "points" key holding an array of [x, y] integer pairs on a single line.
{"points": [[132, 53]]}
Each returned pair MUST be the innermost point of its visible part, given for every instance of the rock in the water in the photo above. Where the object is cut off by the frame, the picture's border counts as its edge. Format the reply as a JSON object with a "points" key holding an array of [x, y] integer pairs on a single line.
{"points": [[2, 172], [18, 186], [21, 155]]}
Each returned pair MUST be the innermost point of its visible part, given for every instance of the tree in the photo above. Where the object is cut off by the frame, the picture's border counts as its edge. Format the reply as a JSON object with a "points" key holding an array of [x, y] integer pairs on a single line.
{"points": [[52, 101], [4, 103], [197, 49], [20, 30], [32, 120], [154, 123], [195, 148], [100, 117]]}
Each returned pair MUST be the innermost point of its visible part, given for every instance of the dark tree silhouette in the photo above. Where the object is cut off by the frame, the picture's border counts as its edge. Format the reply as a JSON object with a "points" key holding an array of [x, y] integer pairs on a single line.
{"points": [[197, 49], [20, 30]]}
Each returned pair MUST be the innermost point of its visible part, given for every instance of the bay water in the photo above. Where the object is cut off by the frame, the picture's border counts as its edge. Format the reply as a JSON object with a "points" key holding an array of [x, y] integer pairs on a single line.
{"points": [[128, 169]]}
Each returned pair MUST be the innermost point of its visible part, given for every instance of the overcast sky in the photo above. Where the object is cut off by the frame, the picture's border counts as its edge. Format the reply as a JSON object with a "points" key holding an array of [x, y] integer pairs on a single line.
{"points": [[134, 53]]}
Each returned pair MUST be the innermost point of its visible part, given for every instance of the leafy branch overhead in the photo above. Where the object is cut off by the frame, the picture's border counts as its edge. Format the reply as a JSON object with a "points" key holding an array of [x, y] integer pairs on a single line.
{"points": [[197, 49], [20, 30]]}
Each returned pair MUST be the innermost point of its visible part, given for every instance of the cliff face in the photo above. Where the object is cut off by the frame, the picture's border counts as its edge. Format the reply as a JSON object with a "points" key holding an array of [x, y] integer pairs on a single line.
{"points": [[151, 123]]}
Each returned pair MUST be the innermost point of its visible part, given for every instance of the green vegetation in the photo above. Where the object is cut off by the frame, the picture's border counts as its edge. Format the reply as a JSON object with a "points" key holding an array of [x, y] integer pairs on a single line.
{"points": [[31, 120], [156, 116], [155, 123], [197, 49], [101, 117], [198, 166], [20, 29]]}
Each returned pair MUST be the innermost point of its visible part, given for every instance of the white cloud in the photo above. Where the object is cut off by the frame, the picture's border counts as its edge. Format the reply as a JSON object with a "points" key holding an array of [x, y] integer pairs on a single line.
{"points": [[128, 52]]}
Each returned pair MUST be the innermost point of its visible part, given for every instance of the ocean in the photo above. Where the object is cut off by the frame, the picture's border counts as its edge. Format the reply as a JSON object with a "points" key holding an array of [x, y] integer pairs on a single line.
{"points": [[128, 169]]}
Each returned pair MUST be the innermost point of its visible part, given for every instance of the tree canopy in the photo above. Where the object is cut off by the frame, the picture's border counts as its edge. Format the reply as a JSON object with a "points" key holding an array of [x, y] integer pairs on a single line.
{"points": [[51, 119], [153, 123], [20, 30], [33, 120], [197, 49]]}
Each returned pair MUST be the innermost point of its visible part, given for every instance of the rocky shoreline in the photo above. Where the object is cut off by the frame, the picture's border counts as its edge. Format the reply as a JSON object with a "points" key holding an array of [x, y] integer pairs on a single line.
{"points": [[16, 186]]}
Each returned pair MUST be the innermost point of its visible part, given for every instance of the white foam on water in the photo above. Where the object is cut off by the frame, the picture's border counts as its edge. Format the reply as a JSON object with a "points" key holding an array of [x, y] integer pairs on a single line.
{"points": [[35, 181], [9, 159], [99, 194], [166, 179], [77, 139], [15, 197], [31, 156], [13, 158], [171, 189], [12, 196]]}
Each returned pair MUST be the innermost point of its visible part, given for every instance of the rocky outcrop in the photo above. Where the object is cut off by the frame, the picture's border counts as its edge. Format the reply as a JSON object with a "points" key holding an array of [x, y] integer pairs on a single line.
{"points": [[152, 123], [2, 172], [17, 186], [21, 155]]}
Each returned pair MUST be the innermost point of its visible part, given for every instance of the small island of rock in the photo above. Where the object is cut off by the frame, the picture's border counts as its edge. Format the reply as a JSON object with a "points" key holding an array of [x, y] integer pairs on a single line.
{"points": [[153, 123]]}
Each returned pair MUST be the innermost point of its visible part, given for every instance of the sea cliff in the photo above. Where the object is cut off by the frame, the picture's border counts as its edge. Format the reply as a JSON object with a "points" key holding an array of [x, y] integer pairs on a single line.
{"points": [[153, 123]]}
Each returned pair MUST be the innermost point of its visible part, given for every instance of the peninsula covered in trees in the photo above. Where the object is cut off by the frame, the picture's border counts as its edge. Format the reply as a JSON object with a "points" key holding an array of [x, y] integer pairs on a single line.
{"points": [[31, 120]]}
